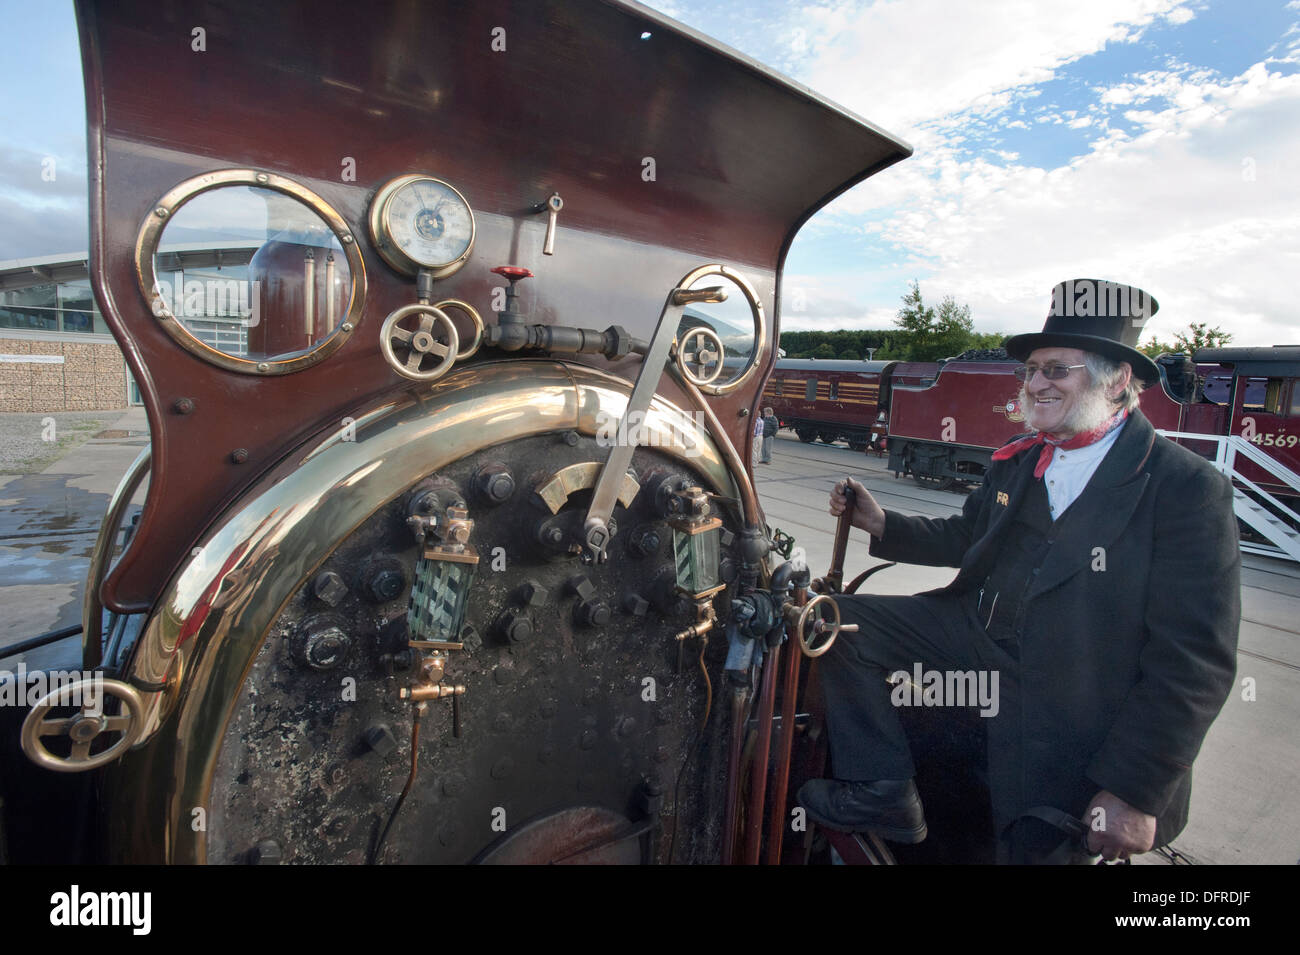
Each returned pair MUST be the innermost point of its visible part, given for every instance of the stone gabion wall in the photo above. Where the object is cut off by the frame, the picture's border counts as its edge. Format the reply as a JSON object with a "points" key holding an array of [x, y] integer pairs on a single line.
{"points": [[91, 377]]}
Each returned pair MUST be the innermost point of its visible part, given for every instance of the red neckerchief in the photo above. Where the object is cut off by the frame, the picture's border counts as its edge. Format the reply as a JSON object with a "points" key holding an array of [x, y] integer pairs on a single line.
{"points": [[1050, 442]]}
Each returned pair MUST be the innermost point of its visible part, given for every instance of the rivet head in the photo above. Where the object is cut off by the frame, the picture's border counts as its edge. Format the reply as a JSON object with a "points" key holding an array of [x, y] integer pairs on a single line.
{"points": [[239, 455], [183, 405], [345, 239], [161, 212], [263, 366], [346, 326]]}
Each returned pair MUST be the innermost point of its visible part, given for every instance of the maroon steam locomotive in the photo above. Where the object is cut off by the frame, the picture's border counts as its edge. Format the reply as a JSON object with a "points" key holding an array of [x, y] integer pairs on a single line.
{"points": [[946, 418]]}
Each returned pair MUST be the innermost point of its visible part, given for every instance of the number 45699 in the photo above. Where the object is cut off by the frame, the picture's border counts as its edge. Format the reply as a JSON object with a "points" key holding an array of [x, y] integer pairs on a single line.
{"points": [[1275, 441]]}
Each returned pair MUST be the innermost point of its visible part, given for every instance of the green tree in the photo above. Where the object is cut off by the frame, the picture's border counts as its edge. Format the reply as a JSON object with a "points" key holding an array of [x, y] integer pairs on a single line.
{"points": [[916, 319], [1198, 335], [953, 329]]}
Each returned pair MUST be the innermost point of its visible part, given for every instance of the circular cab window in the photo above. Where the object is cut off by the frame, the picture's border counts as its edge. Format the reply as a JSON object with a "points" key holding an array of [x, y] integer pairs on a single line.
{"points": [[251, 272]]}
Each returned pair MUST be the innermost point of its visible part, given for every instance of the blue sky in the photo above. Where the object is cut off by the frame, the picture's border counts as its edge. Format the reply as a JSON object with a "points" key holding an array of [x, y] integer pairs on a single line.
{"points": [[1155, 142]]}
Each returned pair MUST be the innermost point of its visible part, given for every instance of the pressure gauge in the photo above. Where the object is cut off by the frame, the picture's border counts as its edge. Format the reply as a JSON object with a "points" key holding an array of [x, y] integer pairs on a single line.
{"points": [[418, 222]]}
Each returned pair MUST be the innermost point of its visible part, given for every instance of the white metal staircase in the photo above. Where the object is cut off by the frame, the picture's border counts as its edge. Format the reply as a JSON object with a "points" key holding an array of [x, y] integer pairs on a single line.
{"points": [[1250, 508]]}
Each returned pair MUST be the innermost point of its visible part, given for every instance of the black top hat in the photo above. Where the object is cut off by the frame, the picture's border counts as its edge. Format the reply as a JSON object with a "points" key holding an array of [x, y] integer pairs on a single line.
{"points": [[1095, 316]]}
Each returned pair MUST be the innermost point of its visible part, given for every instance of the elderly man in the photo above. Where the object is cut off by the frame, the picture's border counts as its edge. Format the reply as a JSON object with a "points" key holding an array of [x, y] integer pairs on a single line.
{"points": [[1098, 591]]}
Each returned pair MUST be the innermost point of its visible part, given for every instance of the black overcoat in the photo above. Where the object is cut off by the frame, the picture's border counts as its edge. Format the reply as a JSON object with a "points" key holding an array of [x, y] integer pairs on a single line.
{"points": [[1128, 649]]}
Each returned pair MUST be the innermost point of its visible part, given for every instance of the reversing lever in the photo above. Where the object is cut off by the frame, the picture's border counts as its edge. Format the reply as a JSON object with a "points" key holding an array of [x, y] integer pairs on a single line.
{"points": [[595, 529]]}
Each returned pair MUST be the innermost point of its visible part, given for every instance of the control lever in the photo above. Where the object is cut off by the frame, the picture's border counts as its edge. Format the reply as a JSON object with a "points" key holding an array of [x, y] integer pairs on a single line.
{"points": [[552, 206], [595, 528]]}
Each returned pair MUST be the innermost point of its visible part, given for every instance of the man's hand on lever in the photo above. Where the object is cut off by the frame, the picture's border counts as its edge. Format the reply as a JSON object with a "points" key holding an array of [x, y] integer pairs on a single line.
{"points": [[867, 514], [1127, 830]]}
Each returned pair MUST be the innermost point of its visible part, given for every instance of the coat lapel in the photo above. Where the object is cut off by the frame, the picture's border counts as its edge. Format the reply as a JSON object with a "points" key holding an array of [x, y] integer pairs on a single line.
{"points": [[1104, 509], [979, 560]]}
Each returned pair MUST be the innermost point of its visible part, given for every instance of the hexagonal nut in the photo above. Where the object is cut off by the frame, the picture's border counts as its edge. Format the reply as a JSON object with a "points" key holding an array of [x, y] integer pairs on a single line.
{"points": [[266, 852], [515, 625], [385, 583], [494, 483], [533, 594], [636, 605], [581, 585], [329, 588], [591, 613], [645, 541], [621, 339], [379, 739]]}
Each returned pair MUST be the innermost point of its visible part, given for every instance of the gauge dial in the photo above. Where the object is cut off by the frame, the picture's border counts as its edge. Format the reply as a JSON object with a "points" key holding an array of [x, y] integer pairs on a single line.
{"points": [[418, 222]]}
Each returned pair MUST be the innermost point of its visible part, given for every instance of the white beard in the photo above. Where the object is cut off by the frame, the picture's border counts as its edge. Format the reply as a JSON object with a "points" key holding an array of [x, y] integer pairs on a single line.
{"points": [[1091, 410]]}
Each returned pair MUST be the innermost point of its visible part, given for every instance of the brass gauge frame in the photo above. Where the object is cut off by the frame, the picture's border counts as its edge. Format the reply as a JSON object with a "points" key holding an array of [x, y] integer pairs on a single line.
{"points": [[381, 234], [150, 236]]}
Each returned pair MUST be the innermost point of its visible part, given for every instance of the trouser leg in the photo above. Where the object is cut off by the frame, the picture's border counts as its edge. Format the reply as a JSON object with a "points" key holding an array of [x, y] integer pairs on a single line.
{"points": [[767, 449], [895, 633]]}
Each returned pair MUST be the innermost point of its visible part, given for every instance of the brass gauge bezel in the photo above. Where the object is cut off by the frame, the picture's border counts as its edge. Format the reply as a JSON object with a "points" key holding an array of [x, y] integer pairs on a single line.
{"points": [[381, 234], [146, 246]]}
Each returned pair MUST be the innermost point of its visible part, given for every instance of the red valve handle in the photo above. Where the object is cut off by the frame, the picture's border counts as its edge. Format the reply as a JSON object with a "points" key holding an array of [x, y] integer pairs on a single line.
{"points": [[513, 272]]}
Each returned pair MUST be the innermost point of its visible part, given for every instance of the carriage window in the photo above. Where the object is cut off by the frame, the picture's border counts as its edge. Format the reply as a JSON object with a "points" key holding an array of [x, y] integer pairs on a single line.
{"points": [[1295, 399], [810, 391], [835, 390], [776, 387]]}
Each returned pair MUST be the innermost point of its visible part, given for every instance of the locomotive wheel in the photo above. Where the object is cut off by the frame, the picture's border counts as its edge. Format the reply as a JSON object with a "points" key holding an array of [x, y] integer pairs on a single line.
{"points": [[827, 437], [858, 444], [806, 435]]}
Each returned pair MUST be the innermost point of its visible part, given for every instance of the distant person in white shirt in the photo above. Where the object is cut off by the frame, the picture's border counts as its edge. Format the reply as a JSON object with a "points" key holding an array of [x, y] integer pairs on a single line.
{"points": [[771, 425]]}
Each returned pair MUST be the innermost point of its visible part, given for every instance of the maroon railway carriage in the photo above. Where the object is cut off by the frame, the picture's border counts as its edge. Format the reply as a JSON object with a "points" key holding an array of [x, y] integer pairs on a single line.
{"points": [[946, 418], [946, 430], [827, 400], [1253, 393]]}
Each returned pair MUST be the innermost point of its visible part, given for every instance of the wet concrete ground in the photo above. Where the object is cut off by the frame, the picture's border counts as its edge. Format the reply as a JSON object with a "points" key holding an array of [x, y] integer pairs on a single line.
{"points": [[48, 526]]}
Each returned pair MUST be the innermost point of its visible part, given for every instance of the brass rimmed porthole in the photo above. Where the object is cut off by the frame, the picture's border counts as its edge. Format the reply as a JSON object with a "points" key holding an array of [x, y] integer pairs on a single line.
{"points": [[251, 271]]}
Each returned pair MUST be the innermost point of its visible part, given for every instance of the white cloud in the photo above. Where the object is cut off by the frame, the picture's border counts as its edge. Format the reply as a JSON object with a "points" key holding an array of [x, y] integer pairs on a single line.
{"points": [[1201, 208], [905, 63]]}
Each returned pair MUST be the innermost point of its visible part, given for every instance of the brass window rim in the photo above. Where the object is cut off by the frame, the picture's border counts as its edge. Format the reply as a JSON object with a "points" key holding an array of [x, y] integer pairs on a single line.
{"points": [[149, 239]]}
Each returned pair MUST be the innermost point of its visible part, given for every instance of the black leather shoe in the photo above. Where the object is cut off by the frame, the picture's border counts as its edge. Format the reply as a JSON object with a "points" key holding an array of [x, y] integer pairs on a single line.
{"points": [[890, 808]]}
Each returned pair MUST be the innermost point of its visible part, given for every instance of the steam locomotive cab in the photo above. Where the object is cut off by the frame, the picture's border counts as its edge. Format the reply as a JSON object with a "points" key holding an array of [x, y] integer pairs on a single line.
{"points": [[447, 526]]}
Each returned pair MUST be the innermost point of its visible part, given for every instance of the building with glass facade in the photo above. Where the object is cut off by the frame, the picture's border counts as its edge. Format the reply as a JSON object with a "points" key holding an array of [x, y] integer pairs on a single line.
{"points": [[56, 352]]}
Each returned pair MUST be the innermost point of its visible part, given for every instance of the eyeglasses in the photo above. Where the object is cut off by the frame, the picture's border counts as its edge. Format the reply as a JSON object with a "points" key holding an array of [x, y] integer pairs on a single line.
{"points": [[1051, 371]]}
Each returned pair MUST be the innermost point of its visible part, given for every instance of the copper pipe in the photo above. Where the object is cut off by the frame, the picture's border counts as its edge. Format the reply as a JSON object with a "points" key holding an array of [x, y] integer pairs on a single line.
{"points": [[758, 772], [739, 708], [785, 748]]}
